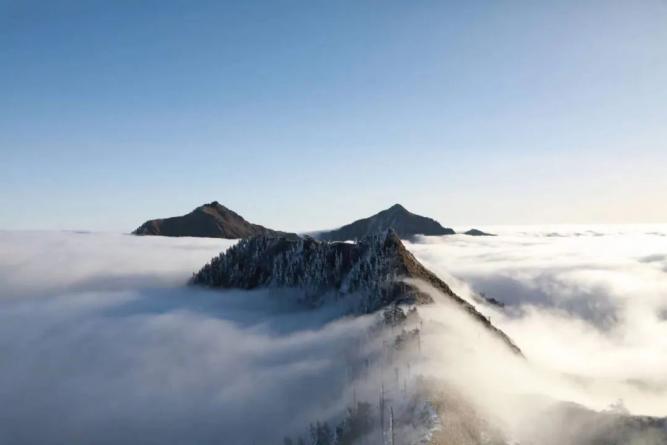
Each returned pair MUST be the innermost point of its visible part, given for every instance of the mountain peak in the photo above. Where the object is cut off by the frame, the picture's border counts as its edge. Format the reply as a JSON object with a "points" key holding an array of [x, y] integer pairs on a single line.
{"points": [[376, 272], [212, 220], [477, 232], [214, 206], [397, 208], [396, 217]]}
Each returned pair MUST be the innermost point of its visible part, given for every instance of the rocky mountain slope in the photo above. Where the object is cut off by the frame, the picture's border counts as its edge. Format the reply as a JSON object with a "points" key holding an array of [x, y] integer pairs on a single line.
{"points": [[211, 220], [396, 217], [378, 270]]}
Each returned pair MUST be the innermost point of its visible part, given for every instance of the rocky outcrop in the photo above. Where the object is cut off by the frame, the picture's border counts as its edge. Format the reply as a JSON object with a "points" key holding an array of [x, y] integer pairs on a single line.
{"points": [[378, 270], [211, 220], [396, 217], [476, 232]]}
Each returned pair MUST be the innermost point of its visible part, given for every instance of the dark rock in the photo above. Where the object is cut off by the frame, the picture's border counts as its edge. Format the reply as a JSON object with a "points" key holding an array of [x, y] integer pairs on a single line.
{"points": [[209, 220], [475, 232], [396, 217]]}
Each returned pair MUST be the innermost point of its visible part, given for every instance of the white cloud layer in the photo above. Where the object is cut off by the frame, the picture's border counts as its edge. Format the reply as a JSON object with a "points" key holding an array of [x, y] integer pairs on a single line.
{"points": [[583, 303], [101, 342]]}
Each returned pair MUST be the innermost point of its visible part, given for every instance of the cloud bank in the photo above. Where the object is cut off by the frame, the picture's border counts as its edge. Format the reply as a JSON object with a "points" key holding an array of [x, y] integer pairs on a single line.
{"points": [[101, 342], [586, 305]]}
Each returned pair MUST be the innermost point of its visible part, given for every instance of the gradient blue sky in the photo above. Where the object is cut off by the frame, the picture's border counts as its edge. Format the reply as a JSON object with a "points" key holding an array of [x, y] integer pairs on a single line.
{"points": [[306, 115]]}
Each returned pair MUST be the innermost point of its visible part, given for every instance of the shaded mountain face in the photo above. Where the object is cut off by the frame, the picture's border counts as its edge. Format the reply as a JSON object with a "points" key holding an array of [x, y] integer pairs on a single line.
{"points": [[477, 232], [378, 270], [396, 217], [209, 220]]}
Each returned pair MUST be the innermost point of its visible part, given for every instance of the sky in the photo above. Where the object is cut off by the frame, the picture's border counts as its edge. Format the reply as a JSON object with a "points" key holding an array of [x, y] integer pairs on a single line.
{"points": [[307, 115]]}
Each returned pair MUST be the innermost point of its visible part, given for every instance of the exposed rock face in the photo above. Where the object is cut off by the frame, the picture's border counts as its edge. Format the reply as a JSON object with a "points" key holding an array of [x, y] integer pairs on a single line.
{"points": [[476, 232], [375, 269], [209, 220], [396, 217]]}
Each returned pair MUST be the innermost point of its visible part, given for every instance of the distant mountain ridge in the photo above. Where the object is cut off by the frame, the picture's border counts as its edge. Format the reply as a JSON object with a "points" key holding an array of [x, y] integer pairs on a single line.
{"points": [[396, 217], [209, 220], [477, 232], [378, 269]]}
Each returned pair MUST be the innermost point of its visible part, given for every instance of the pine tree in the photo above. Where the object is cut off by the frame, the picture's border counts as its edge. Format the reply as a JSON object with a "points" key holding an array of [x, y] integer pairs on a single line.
{"points": [[357, 423], [321, 434]]}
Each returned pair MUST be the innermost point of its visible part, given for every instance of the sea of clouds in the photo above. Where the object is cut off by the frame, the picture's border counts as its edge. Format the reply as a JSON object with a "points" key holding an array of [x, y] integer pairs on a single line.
{"points": [[585, 303], [102, 342]]}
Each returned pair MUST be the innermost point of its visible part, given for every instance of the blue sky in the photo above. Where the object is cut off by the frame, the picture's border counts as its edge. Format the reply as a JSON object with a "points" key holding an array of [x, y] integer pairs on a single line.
{"points": [[306, 115]]}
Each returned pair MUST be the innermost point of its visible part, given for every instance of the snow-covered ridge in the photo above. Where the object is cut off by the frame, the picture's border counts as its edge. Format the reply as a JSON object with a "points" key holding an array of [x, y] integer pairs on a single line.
{"points": [[372, 268], [378, 270]]}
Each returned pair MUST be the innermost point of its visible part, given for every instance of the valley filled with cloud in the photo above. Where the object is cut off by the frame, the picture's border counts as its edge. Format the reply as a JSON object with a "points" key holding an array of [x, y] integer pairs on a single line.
{"points": [[102, 341], [585, 302]]}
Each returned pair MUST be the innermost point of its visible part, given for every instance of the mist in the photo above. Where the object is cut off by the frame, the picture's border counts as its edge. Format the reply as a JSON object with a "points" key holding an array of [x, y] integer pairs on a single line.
{"points": [[585, 305], [102, 341]]}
